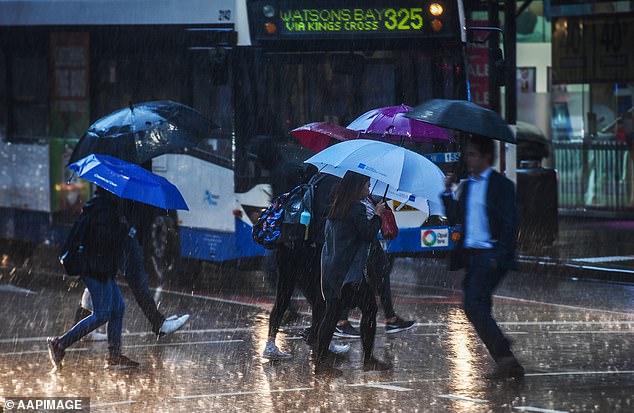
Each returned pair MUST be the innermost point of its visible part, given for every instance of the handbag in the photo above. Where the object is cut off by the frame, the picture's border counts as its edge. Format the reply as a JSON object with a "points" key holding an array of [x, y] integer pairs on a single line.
{"points": [[389, 229]]}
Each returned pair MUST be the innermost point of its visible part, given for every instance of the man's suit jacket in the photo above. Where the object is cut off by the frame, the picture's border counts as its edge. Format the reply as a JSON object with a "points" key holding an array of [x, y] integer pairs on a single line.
{"points": [[502, 217]]}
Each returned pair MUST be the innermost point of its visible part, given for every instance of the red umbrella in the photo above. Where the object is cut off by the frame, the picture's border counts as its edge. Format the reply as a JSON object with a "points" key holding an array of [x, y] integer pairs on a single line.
{"points": [[317, 136]]}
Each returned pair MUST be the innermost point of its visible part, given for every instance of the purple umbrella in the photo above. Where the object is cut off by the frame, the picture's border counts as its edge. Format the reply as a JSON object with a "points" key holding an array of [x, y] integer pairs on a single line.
{"points": [[390, 122]]}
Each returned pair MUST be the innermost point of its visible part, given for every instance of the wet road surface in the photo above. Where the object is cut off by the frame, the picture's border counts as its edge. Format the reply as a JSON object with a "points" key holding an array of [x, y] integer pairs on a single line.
{"points": [[573, 337]]}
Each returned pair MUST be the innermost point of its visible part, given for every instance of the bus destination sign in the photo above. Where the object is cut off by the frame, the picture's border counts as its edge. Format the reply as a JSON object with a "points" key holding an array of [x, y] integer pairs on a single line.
{"points": [[351, 20], [369, 19]]}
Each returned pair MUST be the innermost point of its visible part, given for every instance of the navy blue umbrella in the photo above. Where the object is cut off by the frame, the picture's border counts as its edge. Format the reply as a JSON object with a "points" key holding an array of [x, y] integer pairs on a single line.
{"points": [[129, 181], [463, 116], [144, 131]]}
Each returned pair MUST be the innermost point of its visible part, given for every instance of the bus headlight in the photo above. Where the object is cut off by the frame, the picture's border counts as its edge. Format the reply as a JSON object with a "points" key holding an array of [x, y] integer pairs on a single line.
{"points": [[268, 11], [436, 9]]}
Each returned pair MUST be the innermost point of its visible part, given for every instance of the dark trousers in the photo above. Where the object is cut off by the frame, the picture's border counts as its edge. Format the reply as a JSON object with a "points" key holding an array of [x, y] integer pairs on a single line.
{"points": [[133, 271], [379, 269], [357, 295], [297, 267], [479, 284]]}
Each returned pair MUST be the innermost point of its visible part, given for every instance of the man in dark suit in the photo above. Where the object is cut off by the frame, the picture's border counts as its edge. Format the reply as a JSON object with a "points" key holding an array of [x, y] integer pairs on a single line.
{"points": [[485, 208]]}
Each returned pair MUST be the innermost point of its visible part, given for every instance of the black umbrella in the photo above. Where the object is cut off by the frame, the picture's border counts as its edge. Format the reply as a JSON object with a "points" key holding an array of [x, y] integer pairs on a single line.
{"points": [[463, 116], [144, 131]]}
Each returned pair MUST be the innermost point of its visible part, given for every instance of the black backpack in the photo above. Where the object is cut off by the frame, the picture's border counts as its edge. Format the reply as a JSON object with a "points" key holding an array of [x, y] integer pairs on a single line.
{"points": [[74, 252], [92, 247], [280, 223]]}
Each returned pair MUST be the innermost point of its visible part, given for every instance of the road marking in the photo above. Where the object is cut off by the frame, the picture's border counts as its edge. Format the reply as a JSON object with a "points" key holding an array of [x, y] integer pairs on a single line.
{"points": [[187, 343], [20, 353], [592, 267], [241, 393], [592, 332], [597, 260], [140, 334], [388, 387], [538, 409], [249, 329], [468, 399], [112, 403], [10, 288], [580, 373]]}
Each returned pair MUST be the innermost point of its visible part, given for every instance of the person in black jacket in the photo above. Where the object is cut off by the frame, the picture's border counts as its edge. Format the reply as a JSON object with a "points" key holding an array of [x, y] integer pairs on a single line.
{"points": [[348, 234], [103, 250], [486, 210]]}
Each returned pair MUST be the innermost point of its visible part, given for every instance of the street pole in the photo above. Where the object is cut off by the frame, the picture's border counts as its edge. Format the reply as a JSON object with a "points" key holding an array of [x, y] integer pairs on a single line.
{"points": [[510, 56]]}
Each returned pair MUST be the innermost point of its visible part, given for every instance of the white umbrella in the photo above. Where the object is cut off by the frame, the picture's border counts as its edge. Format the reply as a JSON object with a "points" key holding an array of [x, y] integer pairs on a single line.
{"points": [[408, 174]]}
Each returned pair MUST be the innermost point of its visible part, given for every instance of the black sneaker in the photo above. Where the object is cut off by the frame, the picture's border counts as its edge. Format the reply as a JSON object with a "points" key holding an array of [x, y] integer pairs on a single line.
{"points": [[55, 353], [120, 362], [398, 325], [346, 330]]}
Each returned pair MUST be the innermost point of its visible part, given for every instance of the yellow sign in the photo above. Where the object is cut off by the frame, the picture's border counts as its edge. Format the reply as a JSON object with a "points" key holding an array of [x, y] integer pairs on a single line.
{"points": [[352, 20]]}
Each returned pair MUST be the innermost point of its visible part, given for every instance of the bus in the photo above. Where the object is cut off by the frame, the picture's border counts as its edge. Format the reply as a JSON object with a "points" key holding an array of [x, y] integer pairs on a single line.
{"points": [[256, 68]]}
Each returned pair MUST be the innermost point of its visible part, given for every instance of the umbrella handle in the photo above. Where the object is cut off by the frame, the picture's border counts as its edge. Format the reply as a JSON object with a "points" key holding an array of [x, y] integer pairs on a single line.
{"points": [[70, 178], [384, 194]]}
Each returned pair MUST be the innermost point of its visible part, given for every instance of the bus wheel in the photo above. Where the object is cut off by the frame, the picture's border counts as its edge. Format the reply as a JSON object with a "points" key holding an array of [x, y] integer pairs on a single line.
{"points": [[162, 249]]}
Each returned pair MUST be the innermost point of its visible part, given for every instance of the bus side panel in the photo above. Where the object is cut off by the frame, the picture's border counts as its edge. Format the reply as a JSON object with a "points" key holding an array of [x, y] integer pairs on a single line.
{"points": [[207, 189], [218, 246], [422, 239]]}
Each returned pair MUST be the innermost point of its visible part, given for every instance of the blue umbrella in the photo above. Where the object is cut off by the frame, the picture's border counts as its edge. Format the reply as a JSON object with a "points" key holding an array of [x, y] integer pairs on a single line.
{"points": [[130, 181]]}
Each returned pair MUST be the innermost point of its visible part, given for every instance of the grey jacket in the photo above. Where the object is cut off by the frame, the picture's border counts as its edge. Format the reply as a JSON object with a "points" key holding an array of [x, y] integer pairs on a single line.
{"points": [[345, 252]]}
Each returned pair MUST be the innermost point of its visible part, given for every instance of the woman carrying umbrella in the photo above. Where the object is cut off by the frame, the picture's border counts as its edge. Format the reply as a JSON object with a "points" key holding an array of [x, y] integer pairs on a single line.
{"points": [[343, 271]]}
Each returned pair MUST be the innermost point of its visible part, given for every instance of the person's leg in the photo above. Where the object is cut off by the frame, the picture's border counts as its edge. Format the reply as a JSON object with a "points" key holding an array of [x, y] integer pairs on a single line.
{"points": [[309, 282], [101, 300], [327, 327], [287, 278], [134, 273], [364, 297], [479, 283], [379, 272], [115, 325]]}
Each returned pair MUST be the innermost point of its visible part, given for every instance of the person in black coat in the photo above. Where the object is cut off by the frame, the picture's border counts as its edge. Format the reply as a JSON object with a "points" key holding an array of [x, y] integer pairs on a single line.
{"points": [[485, 208], [348, 234], [103, 250]]}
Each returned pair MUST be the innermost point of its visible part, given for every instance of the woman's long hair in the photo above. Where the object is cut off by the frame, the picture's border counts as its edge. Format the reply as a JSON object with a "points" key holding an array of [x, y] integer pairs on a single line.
{"points": [[347, 194]]}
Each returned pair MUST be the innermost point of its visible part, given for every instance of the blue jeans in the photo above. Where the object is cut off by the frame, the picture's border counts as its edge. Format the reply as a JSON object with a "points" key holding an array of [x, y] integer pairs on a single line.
{"points": [[108, 307], [133, 270], [479, 284]]}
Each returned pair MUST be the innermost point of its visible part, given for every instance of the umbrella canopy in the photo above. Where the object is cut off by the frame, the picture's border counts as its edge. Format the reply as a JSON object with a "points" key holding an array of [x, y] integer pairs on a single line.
{"points": [[378, 188], [317, 136], [463, 116], [129, 181], [403, 170], [391, 124], [144, 131]]}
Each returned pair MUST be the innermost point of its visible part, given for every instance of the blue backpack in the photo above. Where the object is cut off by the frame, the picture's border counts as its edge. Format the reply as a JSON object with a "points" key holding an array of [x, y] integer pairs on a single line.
{"points": [[280, 222]]}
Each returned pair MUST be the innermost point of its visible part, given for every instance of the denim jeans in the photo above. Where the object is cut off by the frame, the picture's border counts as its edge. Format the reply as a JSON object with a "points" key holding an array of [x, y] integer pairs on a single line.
{"points": [[133, 270], [108, 307], [479, 284]]}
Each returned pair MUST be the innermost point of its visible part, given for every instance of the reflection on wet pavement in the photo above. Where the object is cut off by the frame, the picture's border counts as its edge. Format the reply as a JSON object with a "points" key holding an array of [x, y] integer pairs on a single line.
{"points": [[574, 338]]}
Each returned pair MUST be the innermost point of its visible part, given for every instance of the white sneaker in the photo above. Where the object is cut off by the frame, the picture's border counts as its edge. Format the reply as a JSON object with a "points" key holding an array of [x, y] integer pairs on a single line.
{"points": [[339, 348], [271, 352], [172, 324], [96, 336]]}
